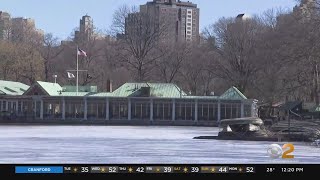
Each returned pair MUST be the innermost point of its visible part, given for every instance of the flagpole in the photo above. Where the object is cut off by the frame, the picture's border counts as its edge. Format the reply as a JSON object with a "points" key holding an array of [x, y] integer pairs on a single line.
{"points": [[77, 71]]}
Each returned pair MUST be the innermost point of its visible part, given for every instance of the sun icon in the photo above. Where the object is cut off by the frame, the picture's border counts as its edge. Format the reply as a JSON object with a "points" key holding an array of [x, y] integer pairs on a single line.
{"points": [[130, 169], [185, 170], [213, 169]]}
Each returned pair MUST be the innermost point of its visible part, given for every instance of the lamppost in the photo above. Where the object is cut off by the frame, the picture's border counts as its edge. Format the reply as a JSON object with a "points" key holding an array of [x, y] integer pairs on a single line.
{"points": [[55, 78]]}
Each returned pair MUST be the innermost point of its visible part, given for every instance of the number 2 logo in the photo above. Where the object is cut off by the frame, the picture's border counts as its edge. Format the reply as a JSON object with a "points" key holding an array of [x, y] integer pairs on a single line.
{"points": [[276, 151], [287, 150]]}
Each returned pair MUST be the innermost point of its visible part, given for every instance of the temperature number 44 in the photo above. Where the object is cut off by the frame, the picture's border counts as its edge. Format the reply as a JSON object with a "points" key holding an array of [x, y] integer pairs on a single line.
{"points": [[223, 169]]}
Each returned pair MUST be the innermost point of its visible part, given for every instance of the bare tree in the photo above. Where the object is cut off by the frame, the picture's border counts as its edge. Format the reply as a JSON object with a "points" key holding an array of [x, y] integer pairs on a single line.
{"points": [[50, 49], [19, 62], [7, 59], [208, 35], [236, 41], [139, 34], [193, 70], [170, 64]]}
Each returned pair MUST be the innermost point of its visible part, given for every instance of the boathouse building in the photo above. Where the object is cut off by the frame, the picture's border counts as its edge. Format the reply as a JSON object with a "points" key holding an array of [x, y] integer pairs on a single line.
{"points": [[131, 103]]}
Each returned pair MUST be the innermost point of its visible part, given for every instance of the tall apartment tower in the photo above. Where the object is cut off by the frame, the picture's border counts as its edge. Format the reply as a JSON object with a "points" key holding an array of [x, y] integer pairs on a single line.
{"points": [[85, 32], [18, 29], [5, 25], [22, 29], [181, 18]]}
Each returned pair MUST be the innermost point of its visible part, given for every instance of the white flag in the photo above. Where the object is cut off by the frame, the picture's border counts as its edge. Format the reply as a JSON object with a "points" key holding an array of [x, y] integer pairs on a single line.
{"points": [[70, 75], [82, 52]]}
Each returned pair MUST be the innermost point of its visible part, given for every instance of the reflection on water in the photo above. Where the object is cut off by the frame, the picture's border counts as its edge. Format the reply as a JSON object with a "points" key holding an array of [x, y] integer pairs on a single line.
{"points": [[143, 144]]}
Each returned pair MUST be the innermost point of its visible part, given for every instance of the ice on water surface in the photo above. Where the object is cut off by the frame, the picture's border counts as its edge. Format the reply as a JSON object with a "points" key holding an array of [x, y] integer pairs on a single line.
{"points": [[136, 144]]}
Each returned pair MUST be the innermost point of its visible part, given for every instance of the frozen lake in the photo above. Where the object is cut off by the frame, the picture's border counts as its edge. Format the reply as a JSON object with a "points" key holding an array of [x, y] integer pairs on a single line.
{"points": [[134, 145]]}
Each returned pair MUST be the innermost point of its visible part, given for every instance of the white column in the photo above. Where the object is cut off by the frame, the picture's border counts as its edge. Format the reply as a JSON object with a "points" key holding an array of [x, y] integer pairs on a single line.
{"points": [[17, 106], [219, 111], [41, 109], [163, 115], [35, 108], [85, 109], [185, 111], [97, 112], [242, 109], [107, 109], [151, 110], [129, 109], [196, 111], [253, 109], [173, 110], [21, 107], [7, 106], [63, 109]]}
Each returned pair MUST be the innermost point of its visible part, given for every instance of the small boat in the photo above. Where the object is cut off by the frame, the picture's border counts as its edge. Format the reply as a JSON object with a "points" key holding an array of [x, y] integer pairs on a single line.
{"points": [[249, 129]]}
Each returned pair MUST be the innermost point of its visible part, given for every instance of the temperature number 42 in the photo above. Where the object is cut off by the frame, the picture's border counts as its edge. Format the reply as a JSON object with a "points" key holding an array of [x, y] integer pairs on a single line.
{"points": [[140, 169]]}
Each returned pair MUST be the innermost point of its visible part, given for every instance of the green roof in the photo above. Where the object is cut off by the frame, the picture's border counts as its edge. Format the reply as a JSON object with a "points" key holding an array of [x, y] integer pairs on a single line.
{"points": [[202, 97], [74, 94], [165, 90], [53, 89], [102, 94], [234, 94], [315, 108], [92, 89], [84, 94], [159, 90], [12, 88]]}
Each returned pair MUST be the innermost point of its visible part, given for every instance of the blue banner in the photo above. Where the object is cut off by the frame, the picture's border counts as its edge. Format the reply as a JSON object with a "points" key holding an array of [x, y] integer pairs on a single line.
{"points": [[39, 169]]}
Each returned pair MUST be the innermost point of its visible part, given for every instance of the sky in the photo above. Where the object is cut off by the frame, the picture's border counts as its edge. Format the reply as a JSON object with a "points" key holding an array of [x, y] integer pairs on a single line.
{"points": [[61, 17]]}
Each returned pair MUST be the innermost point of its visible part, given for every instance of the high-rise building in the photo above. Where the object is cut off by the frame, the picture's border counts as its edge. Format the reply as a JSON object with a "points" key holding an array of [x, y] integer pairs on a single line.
{"points": [[22, 28], [5, 24], [86, 30], [18, 29], [180, 18]]}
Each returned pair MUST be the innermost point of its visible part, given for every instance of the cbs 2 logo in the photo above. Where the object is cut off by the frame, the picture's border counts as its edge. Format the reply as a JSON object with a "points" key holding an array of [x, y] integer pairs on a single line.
{"points": [[276, 151]]}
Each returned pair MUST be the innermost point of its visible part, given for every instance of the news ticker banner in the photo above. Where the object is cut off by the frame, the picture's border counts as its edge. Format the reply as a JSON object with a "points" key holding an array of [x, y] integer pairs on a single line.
{"points": [[158, 169], [133, 169]]}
